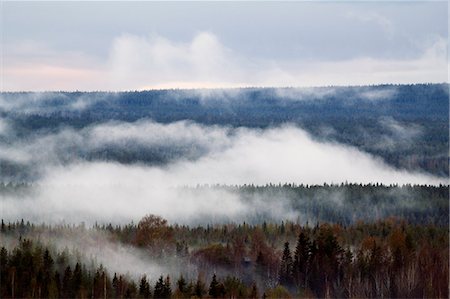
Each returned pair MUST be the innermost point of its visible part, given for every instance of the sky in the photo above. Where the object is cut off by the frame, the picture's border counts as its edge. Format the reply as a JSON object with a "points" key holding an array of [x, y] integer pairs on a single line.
{"points": [[146, 45]]}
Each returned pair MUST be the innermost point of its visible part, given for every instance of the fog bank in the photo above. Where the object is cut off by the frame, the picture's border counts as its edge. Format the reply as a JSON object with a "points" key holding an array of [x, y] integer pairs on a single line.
{"points": [[112, 192]]}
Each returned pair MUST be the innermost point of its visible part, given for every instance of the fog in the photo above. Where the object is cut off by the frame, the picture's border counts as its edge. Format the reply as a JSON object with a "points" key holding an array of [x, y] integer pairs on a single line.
{"points": [[70, 188], [46, 103], [143, 61], [94, 248]]}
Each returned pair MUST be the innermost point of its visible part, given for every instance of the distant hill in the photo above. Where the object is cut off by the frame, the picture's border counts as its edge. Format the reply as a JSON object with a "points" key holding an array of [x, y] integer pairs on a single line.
{"points": [[406, 125]]}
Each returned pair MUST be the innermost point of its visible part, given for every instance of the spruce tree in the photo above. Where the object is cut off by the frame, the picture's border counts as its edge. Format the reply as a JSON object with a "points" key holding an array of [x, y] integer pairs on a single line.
{"points": [[159, 288], [199, 288], [181, 285], [285, 274], [67, 283], [144, 288], [167, 288], [214, 289], [301, 260]]}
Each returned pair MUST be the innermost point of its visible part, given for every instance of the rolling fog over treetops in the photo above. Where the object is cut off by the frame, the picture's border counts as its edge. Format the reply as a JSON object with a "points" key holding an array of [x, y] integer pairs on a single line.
{"points": [[75, 151], [224, 149], [405, 125]]}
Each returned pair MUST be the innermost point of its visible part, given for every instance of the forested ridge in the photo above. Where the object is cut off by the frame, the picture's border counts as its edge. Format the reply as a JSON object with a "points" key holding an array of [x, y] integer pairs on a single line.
{"points": [[405, 125], [334, 203], [106, 194]]}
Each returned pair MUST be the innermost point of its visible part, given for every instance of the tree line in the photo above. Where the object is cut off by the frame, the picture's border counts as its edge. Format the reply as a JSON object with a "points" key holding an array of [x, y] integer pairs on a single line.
{"points": [[388, 258]]}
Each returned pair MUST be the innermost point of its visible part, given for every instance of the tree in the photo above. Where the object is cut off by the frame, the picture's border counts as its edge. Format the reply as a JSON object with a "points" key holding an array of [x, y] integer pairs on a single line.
{"points": [[162, 288], [216, 289], [77, 278], [199, 290], [116, 286], [301, 259], [3, 271], [167, 288], [285, 273], [67, 291], [181, 284], [159, 288], [144, 288], [154, 234]]}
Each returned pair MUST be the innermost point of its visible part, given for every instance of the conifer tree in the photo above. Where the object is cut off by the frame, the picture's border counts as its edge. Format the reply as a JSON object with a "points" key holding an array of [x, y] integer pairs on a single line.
{"points": [[67, 283], [214, 289], [167, 288], [301, 260], [199, 288], [144, 288], [181, 285], [285, 274], [159, 288]]}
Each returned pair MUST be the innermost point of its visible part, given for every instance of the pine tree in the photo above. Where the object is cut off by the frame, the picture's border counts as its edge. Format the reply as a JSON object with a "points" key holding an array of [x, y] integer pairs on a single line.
{"points": [[77, 279], [57, 279], [48, 261], [181, 285], [301, 260], [167, 288], [144, 288], [67, 283], [115, 285], [159, 288], [3, 270], [199, 288], [131, 291], [285, 274], [46, 275], [214, 289]]}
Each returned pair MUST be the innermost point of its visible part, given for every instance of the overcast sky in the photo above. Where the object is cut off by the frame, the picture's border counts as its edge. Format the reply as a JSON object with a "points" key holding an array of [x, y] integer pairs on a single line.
{"points": [[142, 45]]}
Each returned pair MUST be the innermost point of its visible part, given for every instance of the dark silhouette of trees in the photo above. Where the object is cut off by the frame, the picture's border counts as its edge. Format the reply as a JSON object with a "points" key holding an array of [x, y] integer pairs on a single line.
{"points": [[216, 289], [300, 267], [285, 273], [144, 288], [162, 288], [389, 258]]}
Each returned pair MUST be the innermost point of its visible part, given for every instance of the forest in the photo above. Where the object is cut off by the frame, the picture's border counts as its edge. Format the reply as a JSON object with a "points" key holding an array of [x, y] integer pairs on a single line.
{"points": [[405, 125], [324, 192], [339, 203], [387, 258]]}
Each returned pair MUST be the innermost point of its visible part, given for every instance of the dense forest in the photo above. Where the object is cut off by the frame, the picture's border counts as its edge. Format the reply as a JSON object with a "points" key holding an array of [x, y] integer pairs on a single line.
{"points": [[387, 258], [341, 203], [405, 125], [326, 192]]}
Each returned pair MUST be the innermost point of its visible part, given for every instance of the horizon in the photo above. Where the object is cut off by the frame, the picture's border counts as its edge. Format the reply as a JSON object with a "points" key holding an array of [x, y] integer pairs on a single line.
{"points": [[227, 88], [273, 149], [197, 46]]}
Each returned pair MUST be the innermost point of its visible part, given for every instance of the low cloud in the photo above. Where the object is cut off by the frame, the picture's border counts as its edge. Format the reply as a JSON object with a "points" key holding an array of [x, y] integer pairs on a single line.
{"points": [[95, 248], [141, 141], [142, 62], [378, 94], [219, 66], [107, 191], [395, 135], [46, 103]]}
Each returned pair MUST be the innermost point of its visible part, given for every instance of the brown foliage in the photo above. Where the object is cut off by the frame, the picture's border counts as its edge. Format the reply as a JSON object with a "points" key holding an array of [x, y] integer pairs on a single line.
{"points": [[154, 234]]}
